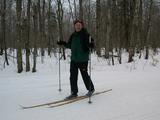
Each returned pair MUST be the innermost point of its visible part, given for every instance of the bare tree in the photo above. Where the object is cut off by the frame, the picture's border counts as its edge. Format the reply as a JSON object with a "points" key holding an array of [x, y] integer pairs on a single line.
{"points": [[98, 19], [81, 10], [132, 28], [41, 27], [3, 30], [107, 29], [35, 31], [19, 36], [28, 37], [75, 9], [49, 27], [140, 23], [70, 6], [148, 27]]}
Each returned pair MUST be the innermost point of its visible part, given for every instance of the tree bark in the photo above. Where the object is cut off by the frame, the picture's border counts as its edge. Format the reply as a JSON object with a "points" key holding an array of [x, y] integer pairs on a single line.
{"points": [[41, 35], [19, 37], [49, 27], [81, 10], [28, 37], [43, 31], [147, 35], [75, 9], [132, 28], [35, 27], [98, 17], [3, 29]]}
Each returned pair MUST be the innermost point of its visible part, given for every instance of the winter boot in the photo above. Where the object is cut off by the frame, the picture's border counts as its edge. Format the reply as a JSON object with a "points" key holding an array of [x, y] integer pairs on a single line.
{"points": [[90, 93], [72, 96]]}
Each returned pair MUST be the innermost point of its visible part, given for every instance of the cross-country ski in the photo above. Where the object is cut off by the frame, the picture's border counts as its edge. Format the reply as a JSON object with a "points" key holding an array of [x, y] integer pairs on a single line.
{"points": [[63, 101]]}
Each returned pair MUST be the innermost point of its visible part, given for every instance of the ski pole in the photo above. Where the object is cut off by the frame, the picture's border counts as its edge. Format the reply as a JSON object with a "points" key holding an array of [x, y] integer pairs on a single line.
{"points": [[59, 69], [89, 101]]}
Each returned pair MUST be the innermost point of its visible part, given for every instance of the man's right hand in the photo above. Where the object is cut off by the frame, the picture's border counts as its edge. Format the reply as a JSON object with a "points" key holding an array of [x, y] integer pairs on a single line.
{"points": [[61, 42]]}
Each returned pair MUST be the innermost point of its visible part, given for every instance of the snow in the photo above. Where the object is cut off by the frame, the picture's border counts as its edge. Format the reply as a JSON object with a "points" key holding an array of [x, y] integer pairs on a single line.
{"points": [[135, 91]]}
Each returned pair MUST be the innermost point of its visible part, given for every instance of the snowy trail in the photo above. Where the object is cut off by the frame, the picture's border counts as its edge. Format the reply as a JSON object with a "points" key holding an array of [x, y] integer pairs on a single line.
{"points": [[135, 94]]}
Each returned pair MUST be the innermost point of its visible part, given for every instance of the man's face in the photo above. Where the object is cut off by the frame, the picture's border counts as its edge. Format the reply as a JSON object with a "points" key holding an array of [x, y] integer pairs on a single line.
{"points": [[78, 27]]}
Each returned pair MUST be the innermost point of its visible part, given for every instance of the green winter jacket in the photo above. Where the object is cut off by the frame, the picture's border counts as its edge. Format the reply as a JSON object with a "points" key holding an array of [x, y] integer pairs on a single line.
{"points": [[79, 45]]}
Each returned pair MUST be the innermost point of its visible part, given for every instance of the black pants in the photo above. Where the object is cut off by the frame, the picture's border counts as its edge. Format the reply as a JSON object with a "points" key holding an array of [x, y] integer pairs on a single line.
{"points": [[83, 67]]}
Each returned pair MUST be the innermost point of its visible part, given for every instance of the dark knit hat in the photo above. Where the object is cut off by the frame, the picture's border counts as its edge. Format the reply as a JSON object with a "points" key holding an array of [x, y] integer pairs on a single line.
{"points": [[78, 21]]}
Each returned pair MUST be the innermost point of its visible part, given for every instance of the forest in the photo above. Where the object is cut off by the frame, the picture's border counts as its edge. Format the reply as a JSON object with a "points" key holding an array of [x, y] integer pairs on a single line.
{"points": [[31, 28]]}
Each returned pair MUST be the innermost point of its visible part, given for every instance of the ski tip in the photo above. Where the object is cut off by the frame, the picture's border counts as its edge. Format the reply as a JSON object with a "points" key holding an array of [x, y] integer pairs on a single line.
{"points": [[22, 107]]}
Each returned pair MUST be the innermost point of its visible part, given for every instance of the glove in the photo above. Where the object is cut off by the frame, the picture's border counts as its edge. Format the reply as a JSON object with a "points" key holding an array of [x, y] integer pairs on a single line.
{"points": [[61, 42]]}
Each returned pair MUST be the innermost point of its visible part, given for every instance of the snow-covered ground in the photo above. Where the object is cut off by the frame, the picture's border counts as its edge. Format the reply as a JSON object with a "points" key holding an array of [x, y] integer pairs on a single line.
{"points": [[135, 94]]}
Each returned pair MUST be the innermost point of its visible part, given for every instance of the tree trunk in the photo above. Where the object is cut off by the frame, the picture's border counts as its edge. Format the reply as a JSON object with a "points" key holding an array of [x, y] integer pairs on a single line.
{"points": [[28, 37], [107, 34], [112, 57], [19, 37], [140, 19], [75, 9], [132, 29], [41, 37], [1, 38], [147, 35], [131, 54], [43, 31], [1, 41], [70, 7], [35, 27], [98, 18], [120, 55], [147, 53], [49, 27], [4, 31], [3, 24], [81, 10]]}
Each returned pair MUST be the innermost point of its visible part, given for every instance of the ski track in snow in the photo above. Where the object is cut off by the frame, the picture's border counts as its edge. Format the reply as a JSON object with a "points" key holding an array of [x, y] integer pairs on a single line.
{"points": [[135, 94]]}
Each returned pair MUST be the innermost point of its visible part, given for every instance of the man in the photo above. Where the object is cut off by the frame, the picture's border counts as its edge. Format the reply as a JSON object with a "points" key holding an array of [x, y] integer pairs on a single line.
{"points": [[80, 44]]}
